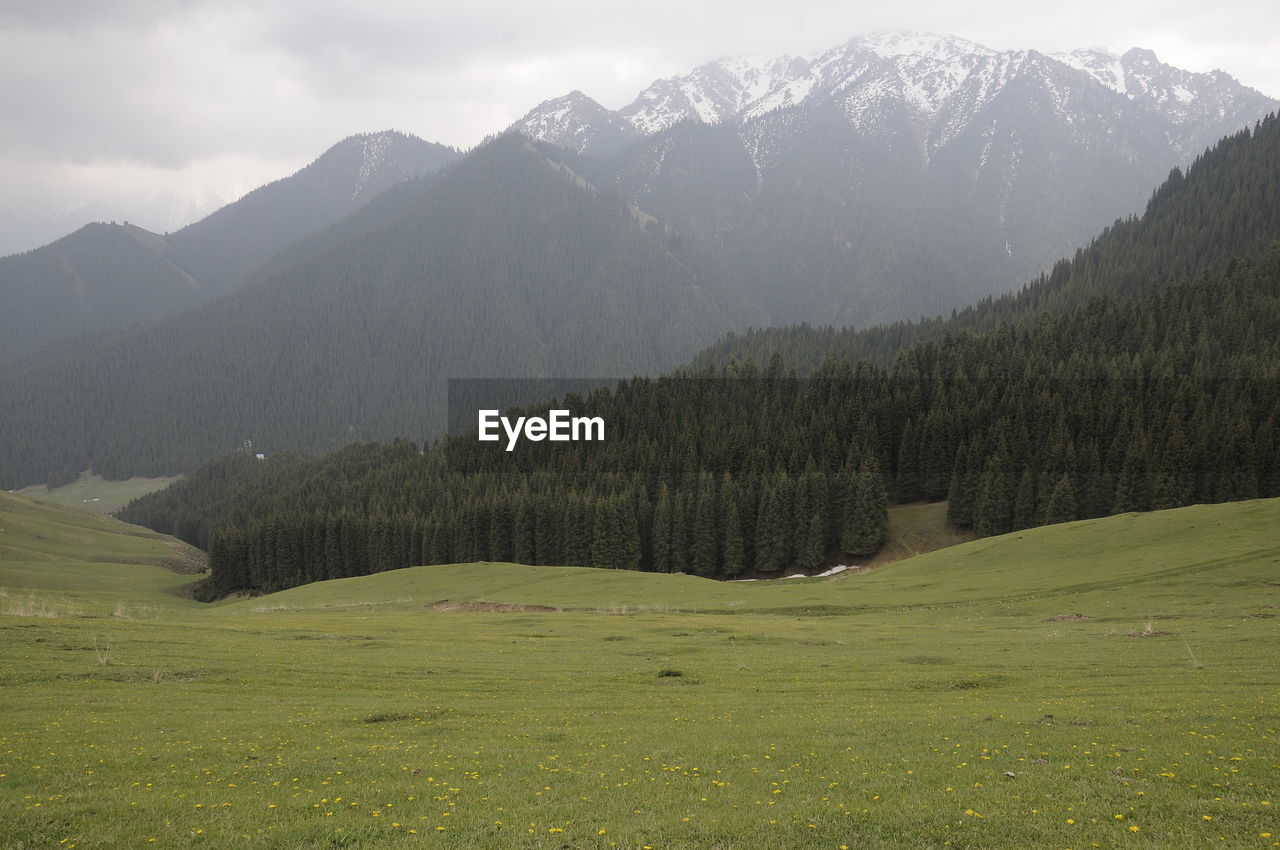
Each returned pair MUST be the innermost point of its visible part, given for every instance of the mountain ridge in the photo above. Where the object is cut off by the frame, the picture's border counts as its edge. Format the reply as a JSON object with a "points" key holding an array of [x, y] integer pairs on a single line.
{"points": [[105, 277], [926, 68], [898, 175], [507, 263]]}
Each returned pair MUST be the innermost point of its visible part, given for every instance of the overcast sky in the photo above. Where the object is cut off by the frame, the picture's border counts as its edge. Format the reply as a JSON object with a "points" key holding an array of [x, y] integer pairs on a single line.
{"points": [[143, 104]]}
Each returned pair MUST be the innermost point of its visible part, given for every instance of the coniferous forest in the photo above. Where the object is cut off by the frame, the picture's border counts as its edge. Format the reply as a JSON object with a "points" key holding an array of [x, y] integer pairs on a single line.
{"points": [[510, 263], [1119, 404]]}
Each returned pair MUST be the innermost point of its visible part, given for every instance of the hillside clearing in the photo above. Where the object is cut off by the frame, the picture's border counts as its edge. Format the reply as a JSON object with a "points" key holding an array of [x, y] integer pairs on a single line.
{"points": [[95, 493]]}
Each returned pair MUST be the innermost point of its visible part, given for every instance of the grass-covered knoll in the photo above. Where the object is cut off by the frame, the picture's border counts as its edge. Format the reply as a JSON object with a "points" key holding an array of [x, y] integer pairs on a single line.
{"points": [[59, 561], [95, 493], [1111, 682], [1170, 549]]}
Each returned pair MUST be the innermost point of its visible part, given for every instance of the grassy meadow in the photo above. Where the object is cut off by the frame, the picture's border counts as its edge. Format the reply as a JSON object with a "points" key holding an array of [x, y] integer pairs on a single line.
{"points": [[1110, 683], [95, 493]]}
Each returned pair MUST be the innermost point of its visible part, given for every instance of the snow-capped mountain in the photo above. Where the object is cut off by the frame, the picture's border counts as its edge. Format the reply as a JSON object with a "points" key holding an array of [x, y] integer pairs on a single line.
{"points": [[1198, 104], [940, 82], [898, 173], [578, 123]]}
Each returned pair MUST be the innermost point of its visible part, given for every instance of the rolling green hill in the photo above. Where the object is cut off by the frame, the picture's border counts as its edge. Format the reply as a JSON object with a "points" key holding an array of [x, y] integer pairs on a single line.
{"points": [[1148, 556], [58, 561], [1108, 681]]}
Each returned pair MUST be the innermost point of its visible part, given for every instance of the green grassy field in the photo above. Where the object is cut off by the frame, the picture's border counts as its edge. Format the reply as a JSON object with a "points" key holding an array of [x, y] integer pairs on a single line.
{"points": [[1108, 683], [95, 493]]}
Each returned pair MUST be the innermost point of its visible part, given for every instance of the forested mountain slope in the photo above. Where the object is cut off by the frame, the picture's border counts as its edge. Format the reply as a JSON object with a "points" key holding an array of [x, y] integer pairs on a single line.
{"points": [[109, 276], [1226, 205], [1157, 394], [509, 264], [1119, 405]]}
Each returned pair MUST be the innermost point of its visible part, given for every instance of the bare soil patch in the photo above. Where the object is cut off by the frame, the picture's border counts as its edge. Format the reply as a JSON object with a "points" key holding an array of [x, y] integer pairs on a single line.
{"points": [[487, 607]]}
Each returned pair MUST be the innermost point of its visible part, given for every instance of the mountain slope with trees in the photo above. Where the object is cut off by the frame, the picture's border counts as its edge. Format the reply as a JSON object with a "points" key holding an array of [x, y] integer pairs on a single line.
{"points": [[110, 276], [1121, 405], [508, 264], [1158, 394], [1226, 205]]}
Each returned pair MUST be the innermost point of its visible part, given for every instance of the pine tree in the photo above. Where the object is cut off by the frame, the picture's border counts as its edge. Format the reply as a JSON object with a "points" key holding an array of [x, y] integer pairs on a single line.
{"points": [[907, 482], [706, 538], [813, 543], [522, 548], [1062, 503], [993, 512], [772, 549], [962, 492], [663, 561], [1024, 506], [735, 559], [866, 522]]}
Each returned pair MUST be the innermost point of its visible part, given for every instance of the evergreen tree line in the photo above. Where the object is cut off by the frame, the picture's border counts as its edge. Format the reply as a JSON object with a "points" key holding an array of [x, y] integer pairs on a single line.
{"points": [[719, 528], [1118, 405]]}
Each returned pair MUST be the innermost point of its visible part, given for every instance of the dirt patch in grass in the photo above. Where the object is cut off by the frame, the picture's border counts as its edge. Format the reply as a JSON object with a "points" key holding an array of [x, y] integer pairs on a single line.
{"points": [[927, 659], [1068, 618], [488, 607], [1050, 720], [153, 676], [185, 560], [974, 684], [389, 717]]}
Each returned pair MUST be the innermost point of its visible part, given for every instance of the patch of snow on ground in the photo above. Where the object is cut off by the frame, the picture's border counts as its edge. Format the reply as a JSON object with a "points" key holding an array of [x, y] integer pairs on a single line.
{"points": [[372, 154], [833, 571]]}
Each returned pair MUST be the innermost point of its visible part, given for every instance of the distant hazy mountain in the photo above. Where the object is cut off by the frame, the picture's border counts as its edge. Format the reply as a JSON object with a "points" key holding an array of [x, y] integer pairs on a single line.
{"points": [[1198, 225], [107, 276], [506, 264], [222, 248], [899, 174]]}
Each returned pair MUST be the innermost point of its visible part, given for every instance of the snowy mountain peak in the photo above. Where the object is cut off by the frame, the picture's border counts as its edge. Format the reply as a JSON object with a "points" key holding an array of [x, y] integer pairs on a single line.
{"points": [[912, 85], [1097, 62], [889, 44], [577, 122], [719, 91]]}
